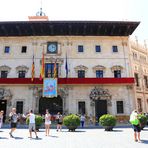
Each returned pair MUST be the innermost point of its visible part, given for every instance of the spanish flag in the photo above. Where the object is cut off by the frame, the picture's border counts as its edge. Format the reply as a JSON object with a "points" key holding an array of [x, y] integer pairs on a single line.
{"points": [[42, 68], [55, 70], [33, 69]]}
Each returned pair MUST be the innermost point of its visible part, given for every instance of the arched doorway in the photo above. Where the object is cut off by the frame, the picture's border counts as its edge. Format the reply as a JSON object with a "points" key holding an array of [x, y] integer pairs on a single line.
{"points": [[100, 99], [54, 105]]}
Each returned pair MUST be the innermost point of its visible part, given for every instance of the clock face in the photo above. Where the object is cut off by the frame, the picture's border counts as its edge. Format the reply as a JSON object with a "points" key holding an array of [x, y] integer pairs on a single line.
{"points": [[52, 48]]}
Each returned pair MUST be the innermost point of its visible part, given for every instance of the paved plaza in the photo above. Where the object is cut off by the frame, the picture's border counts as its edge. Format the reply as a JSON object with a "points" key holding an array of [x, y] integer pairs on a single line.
{"points": [[82, 138]]}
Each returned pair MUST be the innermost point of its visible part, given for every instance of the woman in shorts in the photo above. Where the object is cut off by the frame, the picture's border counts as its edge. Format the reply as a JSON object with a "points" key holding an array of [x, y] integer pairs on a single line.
{"points": [[47, 122]]}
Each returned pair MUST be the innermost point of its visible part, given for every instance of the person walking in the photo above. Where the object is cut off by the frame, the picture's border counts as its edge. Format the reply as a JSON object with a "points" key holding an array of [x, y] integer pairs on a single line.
{"points": [[32, 126], [136, 125], [13, 121], [59, 118], [47, 122], [1, 118], [82, 120]]}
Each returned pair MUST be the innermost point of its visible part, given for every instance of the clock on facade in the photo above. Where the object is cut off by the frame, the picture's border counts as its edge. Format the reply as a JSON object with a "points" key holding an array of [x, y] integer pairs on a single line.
{"points": [[52, 47]]}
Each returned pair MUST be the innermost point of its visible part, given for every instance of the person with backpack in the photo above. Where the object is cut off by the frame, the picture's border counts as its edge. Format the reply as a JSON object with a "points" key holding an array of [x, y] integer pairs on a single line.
{"points": [[136, 125], [13, 121], [59, 118]]}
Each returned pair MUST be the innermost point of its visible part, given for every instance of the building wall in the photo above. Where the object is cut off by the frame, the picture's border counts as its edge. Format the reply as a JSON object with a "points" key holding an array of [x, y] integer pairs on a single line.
{"points": [[88, 58], [139, 60]]}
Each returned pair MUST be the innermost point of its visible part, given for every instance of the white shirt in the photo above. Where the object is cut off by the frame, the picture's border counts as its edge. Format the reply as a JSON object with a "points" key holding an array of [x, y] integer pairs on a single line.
{"points": [[32, 118]]}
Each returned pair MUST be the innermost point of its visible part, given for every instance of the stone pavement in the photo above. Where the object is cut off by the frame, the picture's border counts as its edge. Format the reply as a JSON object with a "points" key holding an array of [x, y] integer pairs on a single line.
{"points": [[82, 138]]}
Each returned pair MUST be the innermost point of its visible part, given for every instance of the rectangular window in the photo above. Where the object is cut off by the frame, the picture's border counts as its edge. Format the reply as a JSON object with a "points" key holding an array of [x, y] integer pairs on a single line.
{"points": [[81, 73], [81, 107], [19, 107], [117, 73], [80, 48], [7, 49], [119, 107], [98, 48], [99, 73], [49, 70], [115, 48], [146, 81], [4, 74], [137, 79], [139, 103], [21, 74], [24, 49]]}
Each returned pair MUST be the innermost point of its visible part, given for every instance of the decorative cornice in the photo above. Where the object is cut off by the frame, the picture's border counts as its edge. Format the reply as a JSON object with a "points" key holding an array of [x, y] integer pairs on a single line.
{"points": [[116, 67], [81, 67], [98, 67], [22, 67], [5, 68]]}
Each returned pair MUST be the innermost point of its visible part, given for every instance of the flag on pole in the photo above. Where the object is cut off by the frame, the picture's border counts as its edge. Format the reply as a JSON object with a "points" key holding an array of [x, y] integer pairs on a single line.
{"points": [[55, 70], [33, 69], [66, 66], [42, 67]]}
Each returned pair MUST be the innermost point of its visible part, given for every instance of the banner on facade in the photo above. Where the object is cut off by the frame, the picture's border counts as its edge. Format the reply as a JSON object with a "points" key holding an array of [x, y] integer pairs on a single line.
{"points": [[50, 87]]}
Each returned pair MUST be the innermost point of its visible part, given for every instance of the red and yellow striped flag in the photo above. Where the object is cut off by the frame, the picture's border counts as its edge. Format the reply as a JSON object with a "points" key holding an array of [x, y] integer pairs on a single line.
{"points": [[33, 69], [55, 70], [42, 68]]}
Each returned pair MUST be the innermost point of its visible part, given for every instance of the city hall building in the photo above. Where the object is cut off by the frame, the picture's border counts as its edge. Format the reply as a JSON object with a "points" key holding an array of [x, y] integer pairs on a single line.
{"points": [[93, 63]]}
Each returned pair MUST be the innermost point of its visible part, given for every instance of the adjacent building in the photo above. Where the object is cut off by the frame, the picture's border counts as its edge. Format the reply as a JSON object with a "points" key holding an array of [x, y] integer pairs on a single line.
{"points": [[139, 66]]}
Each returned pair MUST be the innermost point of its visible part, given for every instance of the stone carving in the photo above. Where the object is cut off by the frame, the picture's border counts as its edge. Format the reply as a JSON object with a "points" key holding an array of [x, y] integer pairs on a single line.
{"points": [[5, 68], [98, 67], [63, 92], [100, 94], [80, 67], [22, 68], [5, 93], [116, 67]]}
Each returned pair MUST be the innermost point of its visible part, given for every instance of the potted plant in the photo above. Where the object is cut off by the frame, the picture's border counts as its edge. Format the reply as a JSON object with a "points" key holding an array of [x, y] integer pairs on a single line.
{"points": [[38, 121], [107, 121], [71, 122], [143, 120]]}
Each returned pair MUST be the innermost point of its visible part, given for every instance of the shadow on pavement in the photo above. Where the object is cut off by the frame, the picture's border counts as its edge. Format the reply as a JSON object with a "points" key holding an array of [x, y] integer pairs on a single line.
{"points": [[36, 139], [117, 130], [144, 141], [145, 130], [3, 138], [53, 136], [18, 138]]}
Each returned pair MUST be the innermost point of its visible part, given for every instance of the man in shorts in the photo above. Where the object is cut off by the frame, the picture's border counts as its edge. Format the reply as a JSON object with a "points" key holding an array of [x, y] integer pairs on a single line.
{"points": [[31, 117], [13, 121]]}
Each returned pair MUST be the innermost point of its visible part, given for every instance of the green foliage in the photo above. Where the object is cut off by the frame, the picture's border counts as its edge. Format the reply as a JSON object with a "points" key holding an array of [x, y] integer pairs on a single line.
{"points": [[143, 119], [38, 120], [71, 120], [107, 120]]}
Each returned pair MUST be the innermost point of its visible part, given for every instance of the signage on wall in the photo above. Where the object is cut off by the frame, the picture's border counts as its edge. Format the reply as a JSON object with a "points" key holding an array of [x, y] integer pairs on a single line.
{"points": [[50, 87]]}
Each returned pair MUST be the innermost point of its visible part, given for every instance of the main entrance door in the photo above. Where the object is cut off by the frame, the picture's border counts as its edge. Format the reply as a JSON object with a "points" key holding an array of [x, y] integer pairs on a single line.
{"points": [[54, 105], [101, 108]]}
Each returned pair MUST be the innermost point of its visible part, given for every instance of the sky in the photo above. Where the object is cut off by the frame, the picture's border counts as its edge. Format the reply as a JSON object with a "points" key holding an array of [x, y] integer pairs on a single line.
{"points": [[96, 10]]}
